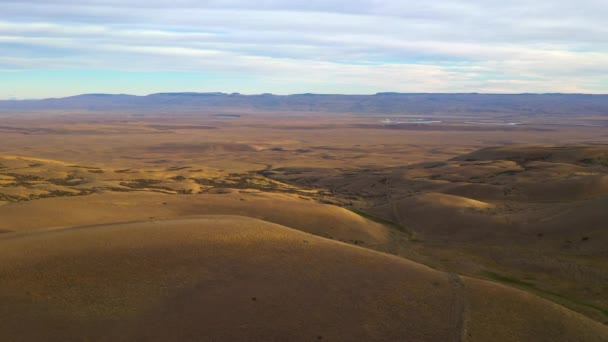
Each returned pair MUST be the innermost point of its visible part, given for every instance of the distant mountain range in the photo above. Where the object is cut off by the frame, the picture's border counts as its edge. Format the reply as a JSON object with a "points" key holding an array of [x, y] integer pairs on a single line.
{"points": [[381, 103]]}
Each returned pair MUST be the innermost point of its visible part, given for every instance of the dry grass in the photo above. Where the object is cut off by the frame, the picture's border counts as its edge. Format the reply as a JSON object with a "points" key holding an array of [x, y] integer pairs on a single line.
{"points": [[235, 278], [73, 268]]}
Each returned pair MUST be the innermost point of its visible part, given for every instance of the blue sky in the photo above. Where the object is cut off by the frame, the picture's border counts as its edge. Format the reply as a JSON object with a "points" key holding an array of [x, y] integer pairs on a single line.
{"points": [[52, 48]]}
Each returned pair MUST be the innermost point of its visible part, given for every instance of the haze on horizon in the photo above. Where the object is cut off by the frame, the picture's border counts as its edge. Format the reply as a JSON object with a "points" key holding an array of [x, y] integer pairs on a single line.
{"points": [[64, 47]]}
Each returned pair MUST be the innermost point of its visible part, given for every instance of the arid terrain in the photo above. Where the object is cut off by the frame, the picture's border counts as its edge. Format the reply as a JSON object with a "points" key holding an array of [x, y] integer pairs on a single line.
{"points": [[244, 224]]}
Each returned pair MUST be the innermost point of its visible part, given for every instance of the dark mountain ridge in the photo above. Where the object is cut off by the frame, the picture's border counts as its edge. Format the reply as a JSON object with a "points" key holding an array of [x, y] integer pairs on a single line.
{"points": [[380, 103]]}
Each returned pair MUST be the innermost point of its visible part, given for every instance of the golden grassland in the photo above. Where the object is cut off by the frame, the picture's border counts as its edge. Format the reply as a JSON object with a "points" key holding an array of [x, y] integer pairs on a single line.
{"points": [[265, 227], [238, 278]]}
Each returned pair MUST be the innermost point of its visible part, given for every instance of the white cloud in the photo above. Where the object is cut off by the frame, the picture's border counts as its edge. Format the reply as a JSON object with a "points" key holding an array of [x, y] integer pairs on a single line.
{"points": [[490, 45]]}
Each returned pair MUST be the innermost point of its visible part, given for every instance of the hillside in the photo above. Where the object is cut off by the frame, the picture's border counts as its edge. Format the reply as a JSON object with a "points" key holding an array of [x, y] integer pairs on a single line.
{"points": [[530, 216], [236, 278]]}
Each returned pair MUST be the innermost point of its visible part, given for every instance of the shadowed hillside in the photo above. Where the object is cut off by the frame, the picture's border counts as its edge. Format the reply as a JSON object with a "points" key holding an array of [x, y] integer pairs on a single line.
{"points": [[530, 216]]}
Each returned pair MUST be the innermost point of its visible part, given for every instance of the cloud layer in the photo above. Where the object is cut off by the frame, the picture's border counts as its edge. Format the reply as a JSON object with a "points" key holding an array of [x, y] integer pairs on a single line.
{"points": [[356, 46]]}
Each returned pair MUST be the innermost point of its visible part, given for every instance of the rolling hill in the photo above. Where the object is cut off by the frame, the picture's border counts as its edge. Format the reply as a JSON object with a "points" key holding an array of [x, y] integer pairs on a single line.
{"points": [[529, 216], [243, 279]]}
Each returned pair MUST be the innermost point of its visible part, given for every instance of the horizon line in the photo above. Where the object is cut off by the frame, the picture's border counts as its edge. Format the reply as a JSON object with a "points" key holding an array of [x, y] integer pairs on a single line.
{"points": [[297, 94]]}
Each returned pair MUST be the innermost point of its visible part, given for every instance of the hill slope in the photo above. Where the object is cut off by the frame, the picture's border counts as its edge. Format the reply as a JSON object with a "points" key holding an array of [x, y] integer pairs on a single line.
{"points": [[315, 218], [234, 278], [531, 216]]}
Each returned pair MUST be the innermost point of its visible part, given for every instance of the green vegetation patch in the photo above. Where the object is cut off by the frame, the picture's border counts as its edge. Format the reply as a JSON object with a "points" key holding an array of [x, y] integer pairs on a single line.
{"points": [[594, 161], [145, 183], [387, 223], [84, 167], [508, 280], [544, 293]]}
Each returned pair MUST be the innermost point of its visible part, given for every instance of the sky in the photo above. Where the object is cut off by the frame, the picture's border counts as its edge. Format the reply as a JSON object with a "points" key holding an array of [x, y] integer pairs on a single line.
{"points": [[54, 48]]}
